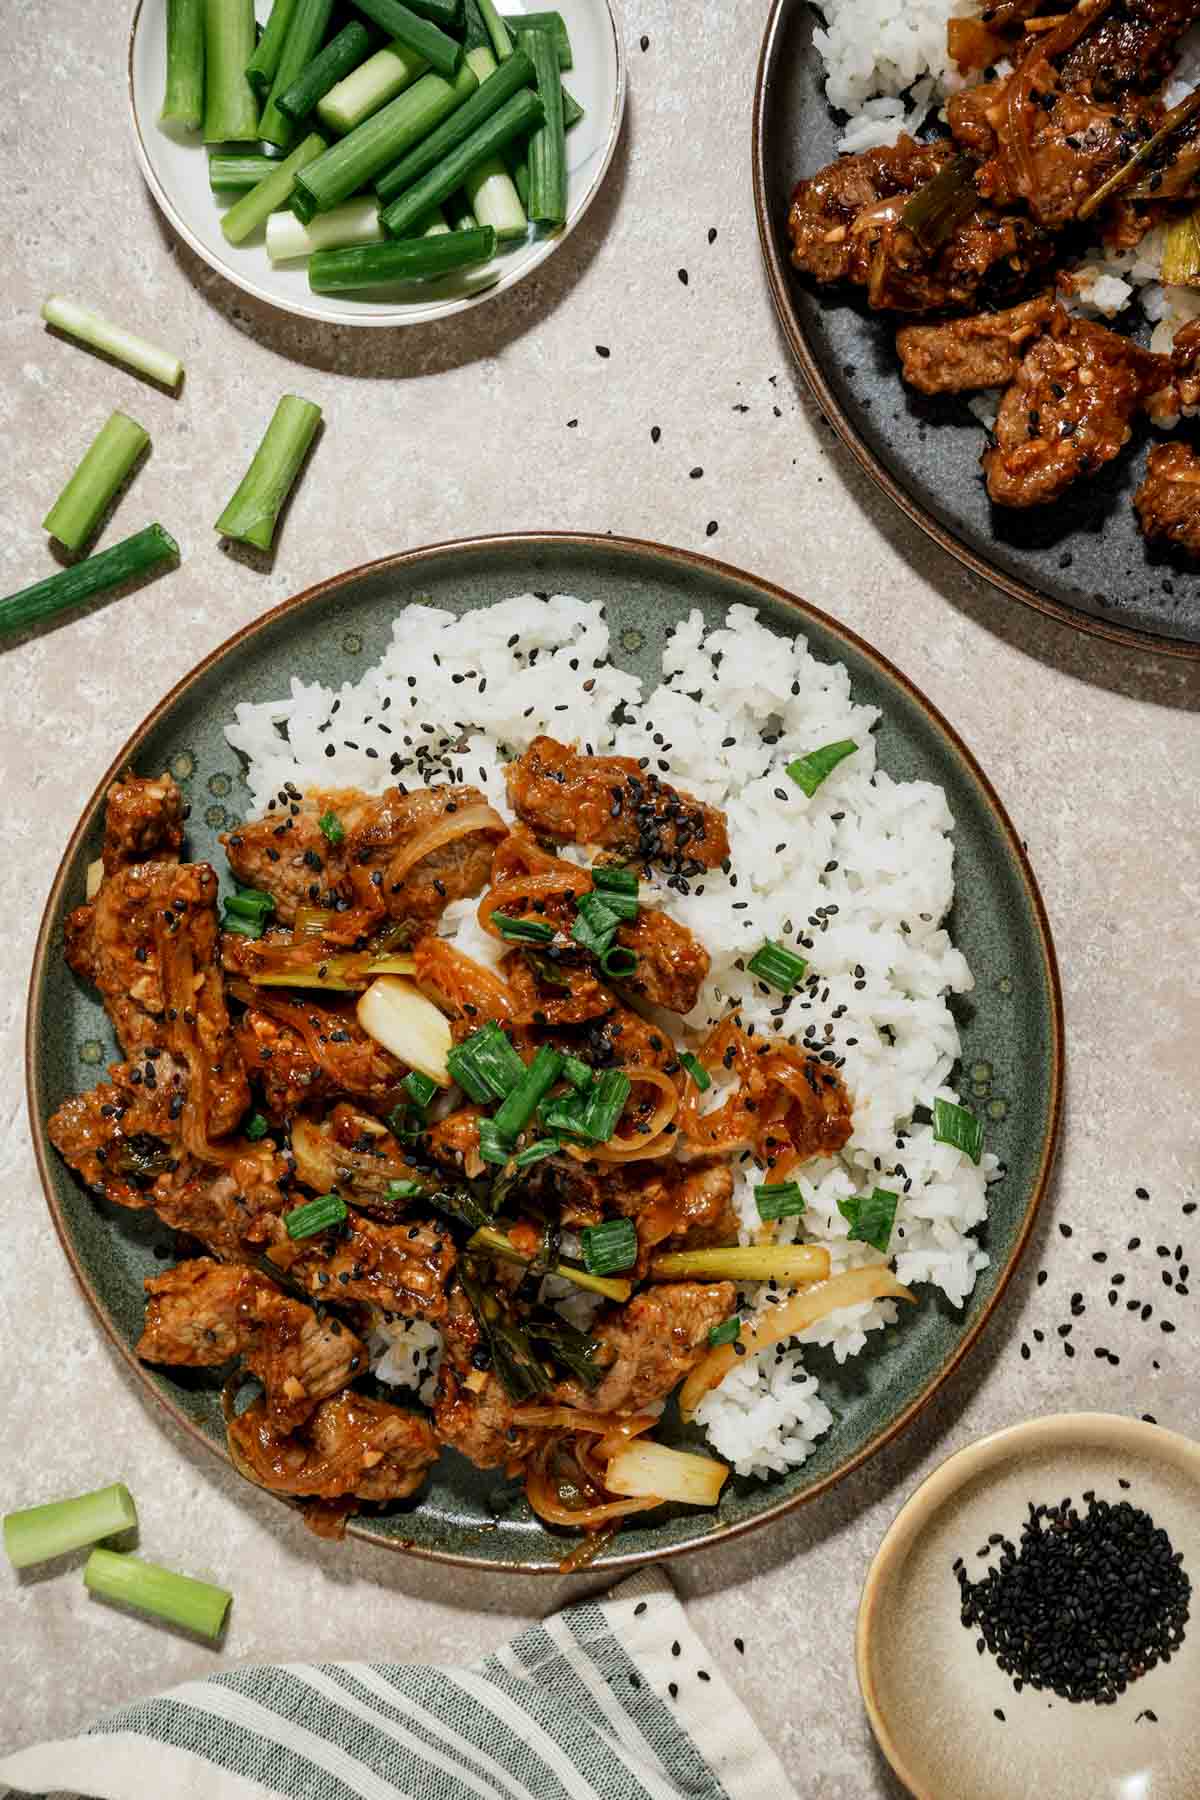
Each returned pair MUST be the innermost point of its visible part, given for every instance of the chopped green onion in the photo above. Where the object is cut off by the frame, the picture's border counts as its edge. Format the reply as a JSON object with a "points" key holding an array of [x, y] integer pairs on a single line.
{"points": [[183, 94], [230, 103], [696, 1070], [547, 204], [404, 1190], [934, 211], [604, 1104], [198, 1606], [536, 1153], [607, 880], [439, 50], [610, 1247], [577, 1073], [406, 1123], [260, 70], [572, 111], [426, 257], [331, 828], [524, 1099], [89, 328], [354, 222], [247, 928], [495, 1146], [622, 906], [253, 512], [340, 57], [518, 115], [727, 1332], [596, 925], [618, 963], [522, 931], [499, 1064], [808, 772], [489, 97], [380, 139], [565, 1116], [461, 1068], [958, 1125], [555, 24], [105, 464], [778, 966], [871, 1217], [369, 87], [497, 30], [250, 903], [315, 1215], [255, 208], [232, 173], [255, 1127], [305, 35], [37, 1533], [134, 556], [420, 1087], [779, 1200]]}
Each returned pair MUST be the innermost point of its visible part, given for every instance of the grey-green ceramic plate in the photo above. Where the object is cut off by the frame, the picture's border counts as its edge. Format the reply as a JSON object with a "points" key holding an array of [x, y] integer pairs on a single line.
{"points": [[1012, 1029]]}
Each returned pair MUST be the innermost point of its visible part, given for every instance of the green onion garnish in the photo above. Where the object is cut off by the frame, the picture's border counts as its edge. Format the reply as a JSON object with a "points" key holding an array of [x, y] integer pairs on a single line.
{"points": [[196, 1605], [37, 1533], [696, 1070], [778, 966], [522, 931], [407, 1122], [495, 1146], [624, 906], [957, 1125], [609, 1247], [255, 1127], [565, 1115], [577, 1073], [535, 1153], [247, 928], [250, 903], [871, 1217], [603, 1106], [727, 1332], [420, 1087], [461, 1068], [619, 963], [524, 1100], [331, 828], [779, 1200], [315, 1215], [404, 1190], [485, 1065], [608, 881], [808, 772], [596, 925]]}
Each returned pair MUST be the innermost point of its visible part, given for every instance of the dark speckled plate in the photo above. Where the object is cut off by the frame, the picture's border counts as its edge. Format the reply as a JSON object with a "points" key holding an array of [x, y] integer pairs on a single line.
{"points": [[1012, 1026], [1083, 561]]}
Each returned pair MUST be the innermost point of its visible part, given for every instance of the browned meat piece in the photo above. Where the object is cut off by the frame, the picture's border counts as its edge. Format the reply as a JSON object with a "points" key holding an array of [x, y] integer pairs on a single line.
{"points": [[652, 1343], [143, 822], [236, 1212], [1068, 147], [672, 964], [1168, 501], [397, 1268], [121, 1137], [1068, 412], [201, 1313], [349, 1151], [578, 1013], [350, 1445], [1131, 47], [613, 802], [302, 1052], [454, 1141], [835, 213], [981, 352], [471, 1411], [148, 941], [402, 856], [1179, 392]]}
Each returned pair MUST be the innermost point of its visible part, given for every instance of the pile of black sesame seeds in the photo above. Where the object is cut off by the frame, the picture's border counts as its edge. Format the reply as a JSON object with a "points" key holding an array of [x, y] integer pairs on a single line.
{"points": [[1087, 1604]]}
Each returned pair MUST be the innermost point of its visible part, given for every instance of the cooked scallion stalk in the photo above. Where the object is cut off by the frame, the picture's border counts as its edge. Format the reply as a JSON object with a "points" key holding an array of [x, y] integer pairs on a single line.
{"points": [[252, 513], [369, 87], [778, 966], [81, 323], [790, 1264], [305, 35], [696, 1070], [518, 114], [183, 91], [522, 931], [1178, 115], [1181, 251], [401, 1018], [355, 222], [808, 772], [547, 203], [262, 67], [871, 1217], [646, 1470], [618, 963], [491, 1242], [577, 1073], [485, 1065], [494, 1146], [779, 1200], [537, 1152], [523, 1100], [341, 55], [230, 105], [555, 25], [315, 1215], [379, 141], [37, 1533], [197, 1606], [610, 1247], [105, 465], [420, 1087], [957, 1125], [937, 208], [428, 40], [229, 173], [256, 207], [494, 89], [416, 259], [137, 555]]}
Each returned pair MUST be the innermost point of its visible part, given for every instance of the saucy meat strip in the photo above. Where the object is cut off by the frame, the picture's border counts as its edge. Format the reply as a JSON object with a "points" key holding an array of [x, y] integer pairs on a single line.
{"points": [[1168, 500], [400, 1269], [349, 1151], [472, 1413], [613, 802], [348, 1446], [121, 1136], [650, 1344], [302, 1051], [984, 351], [143, 821], [202, 1313], [1131, 47]]}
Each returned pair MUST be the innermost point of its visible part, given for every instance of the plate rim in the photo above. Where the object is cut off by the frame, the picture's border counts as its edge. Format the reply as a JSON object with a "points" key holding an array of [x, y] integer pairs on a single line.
{"points": [[403, 563], [867, 459], [394, 320]]}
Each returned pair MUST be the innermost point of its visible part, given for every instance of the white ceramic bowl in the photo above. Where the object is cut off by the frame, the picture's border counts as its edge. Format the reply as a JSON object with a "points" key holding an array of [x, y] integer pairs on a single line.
{"points": [[176, 171]]}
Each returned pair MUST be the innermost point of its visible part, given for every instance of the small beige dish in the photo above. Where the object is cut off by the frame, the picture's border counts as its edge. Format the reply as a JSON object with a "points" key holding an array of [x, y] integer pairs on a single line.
{"points": [[933, 1701]]}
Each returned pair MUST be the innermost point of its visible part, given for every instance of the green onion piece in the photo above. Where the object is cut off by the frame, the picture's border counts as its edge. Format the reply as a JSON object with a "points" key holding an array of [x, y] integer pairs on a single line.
{"points": [[537, 1152], [230, 103], [604, 1104], [547, 203], [497, 30], [305, 35], [488, 98], [260, 70], [577, 1073], [610, 1247], [518, 115], [369, 87], [81, 323], [808, 772], [608, 881], [255, 1127], [196, 1605], [936, 209], [572, 111], [232, 173], [522, 931], [106, 463], [423, 258], [37, 1533], [316, 1215], [183, 93], [420, 1087], [137, 555], [331, 828], [565, 1116], [247, 928], [494, 1060], [727, 1332], [622, 906], [253, 512], [460, 1067], [871, 1217], [340, 57], [778, 966], [250, 903], [596, 925], [254, 209], [406, 1123], [555, 24], [495, 1146], [779, 1200], [524, 1100], [957, 1125], [696, 1070], [618, 963], [439, 50]]}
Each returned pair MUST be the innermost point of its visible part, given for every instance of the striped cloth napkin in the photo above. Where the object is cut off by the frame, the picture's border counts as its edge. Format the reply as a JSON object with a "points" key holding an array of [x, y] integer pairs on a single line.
{"points": [[613, 1699]]}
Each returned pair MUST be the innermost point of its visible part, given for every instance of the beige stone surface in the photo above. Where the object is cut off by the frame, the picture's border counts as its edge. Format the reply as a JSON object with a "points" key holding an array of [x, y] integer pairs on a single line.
{"points": [[443, 431]]}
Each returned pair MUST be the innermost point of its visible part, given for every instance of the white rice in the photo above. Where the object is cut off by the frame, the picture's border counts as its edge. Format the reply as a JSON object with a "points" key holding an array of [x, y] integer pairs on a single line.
{"points": [[859, 877], [887, 64]]}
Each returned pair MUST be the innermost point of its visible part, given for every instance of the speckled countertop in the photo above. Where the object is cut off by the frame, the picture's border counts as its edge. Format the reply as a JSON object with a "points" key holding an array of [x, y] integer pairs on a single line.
{"points": [[1095, 750]]}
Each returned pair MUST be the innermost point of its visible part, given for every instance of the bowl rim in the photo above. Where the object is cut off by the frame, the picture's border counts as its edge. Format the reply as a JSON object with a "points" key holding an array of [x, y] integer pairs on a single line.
{"points": [[1004, 1446], [429, 313], [407, 562], [866, 458]]}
